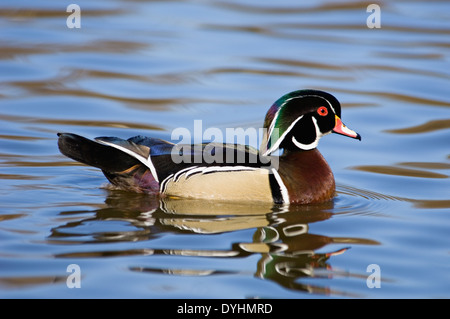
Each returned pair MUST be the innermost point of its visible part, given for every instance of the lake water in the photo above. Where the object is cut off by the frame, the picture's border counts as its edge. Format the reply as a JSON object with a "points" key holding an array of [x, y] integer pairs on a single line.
{"points": [[149, 67]]}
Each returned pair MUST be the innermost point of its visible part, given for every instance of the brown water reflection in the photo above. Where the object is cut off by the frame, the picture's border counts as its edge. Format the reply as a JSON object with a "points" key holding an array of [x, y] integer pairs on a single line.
{"points": [[400, 171], [430, 126], [281, 236]]}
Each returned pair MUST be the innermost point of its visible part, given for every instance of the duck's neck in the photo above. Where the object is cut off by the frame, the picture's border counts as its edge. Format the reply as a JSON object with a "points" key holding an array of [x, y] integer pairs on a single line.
{"points": [[307, 176]]}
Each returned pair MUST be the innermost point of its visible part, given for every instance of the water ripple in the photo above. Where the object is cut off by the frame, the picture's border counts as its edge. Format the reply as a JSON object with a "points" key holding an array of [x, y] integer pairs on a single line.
{"points": [[352, 200]]}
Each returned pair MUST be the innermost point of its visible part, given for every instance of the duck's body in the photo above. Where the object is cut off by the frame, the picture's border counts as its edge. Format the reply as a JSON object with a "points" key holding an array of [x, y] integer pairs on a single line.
{"points": [[154, 166]]}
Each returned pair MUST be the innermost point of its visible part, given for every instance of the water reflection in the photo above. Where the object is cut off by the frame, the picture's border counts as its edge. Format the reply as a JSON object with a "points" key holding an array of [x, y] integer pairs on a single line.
{"points": [[429, 126], [287, 250]]}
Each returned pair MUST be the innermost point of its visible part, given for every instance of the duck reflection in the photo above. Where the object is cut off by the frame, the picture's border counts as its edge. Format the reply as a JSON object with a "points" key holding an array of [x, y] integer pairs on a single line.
{"points": [[288, 251]]}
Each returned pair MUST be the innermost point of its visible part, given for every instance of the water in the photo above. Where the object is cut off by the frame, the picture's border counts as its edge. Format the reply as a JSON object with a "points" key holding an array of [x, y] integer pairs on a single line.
{"points": [[149, 67]]}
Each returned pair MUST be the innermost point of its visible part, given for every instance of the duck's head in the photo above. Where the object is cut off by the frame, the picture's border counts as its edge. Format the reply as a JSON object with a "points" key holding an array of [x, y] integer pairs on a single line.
{"points": [[298, 120]]}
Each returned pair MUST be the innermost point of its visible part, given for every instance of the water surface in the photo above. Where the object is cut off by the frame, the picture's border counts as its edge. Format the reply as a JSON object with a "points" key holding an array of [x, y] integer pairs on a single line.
{"points": [[149, 67]]}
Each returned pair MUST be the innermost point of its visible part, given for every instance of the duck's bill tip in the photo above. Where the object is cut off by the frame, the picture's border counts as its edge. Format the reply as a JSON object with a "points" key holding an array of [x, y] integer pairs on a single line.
{"points": [[340, 128]]}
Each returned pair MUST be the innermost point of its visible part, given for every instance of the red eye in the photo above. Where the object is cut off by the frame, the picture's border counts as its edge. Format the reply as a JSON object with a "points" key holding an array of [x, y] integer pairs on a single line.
{"points": [[322, 111]]}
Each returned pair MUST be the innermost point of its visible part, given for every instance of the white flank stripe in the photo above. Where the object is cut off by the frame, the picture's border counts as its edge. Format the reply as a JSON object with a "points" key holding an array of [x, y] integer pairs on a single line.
{"points": [[181, 172], [212, 169], [202, 170], [146, 161], [283, 189], [162, 186]]}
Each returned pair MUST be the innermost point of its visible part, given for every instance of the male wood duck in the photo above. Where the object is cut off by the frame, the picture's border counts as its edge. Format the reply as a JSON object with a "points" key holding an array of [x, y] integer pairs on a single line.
{"points": [[293, 126]]}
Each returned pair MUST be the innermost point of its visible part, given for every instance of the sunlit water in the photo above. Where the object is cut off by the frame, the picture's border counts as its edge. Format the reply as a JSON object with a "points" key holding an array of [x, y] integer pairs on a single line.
{"points": [[148, 67]]}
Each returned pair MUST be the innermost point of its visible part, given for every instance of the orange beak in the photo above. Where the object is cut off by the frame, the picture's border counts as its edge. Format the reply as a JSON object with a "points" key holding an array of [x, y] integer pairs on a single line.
{"points": [[340, 128]]}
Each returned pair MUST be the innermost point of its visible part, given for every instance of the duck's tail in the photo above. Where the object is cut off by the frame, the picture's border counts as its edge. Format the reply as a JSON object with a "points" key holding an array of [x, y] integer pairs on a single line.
{"points": [[125, 163]]}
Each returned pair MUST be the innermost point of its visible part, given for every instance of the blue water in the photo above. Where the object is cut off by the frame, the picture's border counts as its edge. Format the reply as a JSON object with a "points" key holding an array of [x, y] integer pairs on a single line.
{"points": [[149, 67]]}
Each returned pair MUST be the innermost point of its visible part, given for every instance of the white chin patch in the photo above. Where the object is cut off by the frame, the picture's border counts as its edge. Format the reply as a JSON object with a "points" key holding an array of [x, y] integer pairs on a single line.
{"points": [[305, 146], [312, 145]]}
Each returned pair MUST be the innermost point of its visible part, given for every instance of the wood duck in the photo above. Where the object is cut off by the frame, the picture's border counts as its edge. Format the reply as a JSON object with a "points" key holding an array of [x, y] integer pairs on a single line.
{"points": [[287, 169]]}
